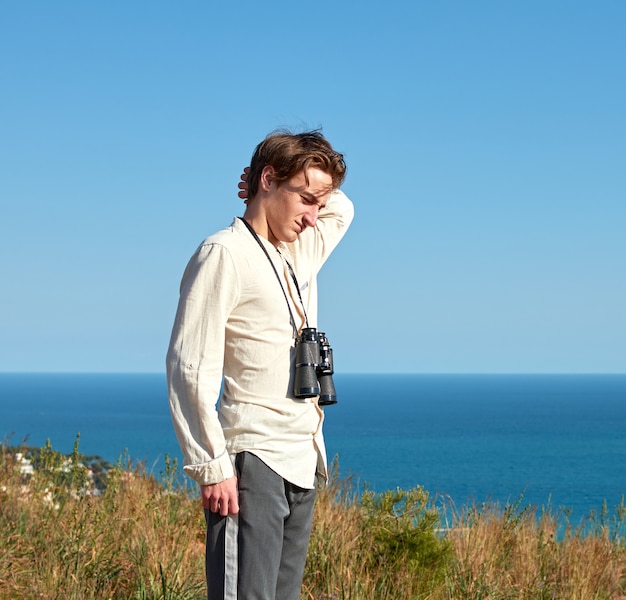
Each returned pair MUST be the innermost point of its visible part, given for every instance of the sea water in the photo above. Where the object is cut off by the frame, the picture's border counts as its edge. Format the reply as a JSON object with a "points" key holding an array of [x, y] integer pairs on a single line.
{"points": [[555, 441]]}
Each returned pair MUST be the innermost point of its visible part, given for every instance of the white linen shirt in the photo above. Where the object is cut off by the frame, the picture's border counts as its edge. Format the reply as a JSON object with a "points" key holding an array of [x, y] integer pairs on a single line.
{"points": [[233, 334]]}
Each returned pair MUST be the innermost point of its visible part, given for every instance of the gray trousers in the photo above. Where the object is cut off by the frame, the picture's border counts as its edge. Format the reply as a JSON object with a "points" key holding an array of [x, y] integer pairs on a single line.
{"points": [[260, 553]]}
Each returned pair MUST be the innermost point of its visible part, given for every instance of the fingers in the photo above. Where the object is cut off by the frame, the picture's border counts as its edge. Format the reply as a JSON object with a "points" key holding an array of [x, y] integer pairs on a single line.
{"points": [[243, 184], [224, 507], [221, 497], [231, 509]]}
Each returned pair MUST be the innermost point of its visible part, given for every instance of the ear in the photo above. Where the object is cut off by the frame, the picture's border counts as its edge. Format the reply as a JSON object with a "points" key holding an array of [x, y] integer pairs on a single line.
{"points": [[267, 178]]}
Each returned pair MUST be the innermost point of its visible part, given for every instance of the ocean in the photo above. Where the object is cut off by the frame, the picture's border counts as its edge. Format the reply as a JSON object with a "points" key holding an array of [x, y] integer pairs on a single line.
{"points": [[556, 441]]}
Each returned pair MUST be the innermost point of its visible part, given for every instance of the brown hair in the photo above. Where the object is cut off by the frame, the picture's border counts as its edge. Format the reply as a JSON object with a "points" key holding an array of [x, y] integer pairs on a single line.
{"points": [[290, 153]]}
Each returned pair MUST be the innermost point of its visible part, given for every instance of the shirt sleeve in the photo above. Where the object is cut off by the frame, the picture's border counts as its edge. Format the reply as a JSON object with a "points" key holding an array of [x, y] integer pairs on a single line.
{"points": [[195, 359], [316, 244]]}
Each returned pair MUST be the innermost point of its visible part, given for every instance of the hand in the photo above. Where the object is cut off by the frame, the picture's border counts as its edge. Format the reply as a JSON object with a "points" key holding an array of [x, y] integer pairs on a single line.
{"points": [[243, 185], [221, 497]]}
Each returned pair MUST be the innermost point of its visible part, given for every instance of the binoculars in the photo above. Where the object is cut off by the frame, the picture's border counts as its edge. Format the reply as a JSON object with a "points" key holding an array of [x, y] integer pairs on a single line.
{"points": [[314, 367]]}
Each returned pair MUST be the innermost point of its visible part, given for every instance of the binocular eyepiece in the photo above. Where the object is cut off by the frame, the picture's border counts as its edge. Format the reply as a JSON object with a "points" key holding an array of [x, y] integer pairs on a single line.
{"points": [[314, 367]]}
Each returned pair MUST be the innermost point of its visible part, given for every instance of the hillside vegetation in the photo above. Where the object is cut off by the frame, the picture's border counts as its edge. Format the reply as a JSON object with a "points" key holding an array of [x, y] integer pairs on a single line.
{"points": [[69, 534]]}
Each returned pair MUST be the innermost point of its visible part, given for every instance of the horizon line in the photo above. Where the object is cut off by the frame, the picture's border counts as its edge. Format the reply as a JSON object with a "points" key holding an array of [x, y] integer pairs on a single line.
{"points": [[361, 373]]}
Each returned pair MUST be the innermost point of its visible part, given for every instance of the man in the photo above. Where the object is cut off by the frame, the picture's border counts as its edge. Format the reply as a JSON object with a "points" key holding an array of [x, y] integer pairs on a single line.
{"points": [[246, 294]]}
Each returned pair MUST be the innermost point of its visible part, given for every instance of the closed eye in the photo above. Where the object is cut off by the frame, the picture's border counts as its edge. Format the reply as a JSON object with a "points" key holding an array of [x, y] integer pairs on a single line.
{"points": [[311, 200]]}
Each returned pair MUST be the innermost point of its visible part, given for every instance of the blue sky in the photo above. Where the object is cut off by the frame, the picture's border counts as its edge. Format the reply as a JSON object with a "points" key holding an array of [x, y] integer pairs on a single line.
{"points": [[485, 142]]}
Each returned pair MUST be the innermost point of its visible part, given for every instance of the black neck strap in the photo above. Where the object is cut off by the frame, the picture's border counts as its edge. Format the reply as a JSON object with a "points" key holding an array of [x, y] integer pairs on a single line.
{"points": [[293, 276]]}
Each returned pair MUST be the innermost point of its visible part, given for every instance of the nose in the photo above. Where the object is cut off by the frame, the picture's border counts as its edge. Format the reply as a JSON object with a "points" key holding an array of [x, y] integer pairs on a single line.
{"points": [[310, 217]]}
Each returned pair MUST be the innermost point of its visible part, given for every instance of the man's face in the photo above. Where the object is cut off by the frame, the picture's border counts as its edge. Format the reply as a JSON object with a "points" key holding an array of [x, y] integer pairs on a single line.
{"points": [[294, 205]]}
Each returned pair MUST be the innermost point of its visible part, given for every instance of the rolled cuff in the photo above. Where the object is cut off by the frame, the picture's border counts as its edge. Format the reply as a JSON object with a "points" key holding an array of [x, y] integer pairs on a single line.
{"points": [[214, 471]]}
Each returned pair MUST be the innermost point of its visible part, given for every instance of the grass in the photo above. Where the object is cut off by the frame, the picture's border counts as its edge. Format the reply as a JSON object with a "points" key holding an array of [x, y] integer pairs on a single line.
{"points": [[142, 538]]}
